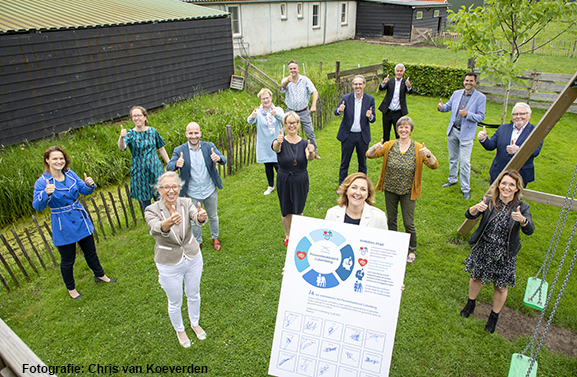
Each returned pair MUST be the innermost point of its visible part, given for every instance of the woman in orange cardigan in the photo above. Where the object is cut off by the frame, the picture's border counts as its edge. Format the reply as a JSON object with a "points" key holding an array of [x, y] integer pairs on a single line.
{"points": [[400, 177]]}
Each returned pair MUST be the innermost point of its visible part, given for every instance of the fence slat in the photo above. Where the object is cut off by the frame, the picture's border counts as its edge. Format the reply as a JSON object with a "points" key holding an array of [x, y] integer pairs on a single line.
{"points": [[7, 267], [98, 216], [34, 248], [4, 283], [90, 217], [17, 239], [46, 244], [107, 213], [11, 251], [122, 205], [130, 202]]}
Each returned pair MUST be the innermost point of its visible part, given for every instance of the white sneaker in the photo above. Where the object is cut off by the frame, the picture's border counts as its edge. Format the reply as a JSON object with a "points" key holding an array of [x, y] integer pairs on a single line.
{"points": [[269, 190]]}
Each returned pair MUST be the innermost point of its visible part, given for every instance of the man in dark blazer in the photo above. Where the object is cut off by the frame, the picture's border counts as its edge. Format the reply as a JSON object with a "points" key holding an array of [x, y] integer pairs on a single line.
{"points": [[355, 131], [394, 105], [508, 139], [197, 163]]}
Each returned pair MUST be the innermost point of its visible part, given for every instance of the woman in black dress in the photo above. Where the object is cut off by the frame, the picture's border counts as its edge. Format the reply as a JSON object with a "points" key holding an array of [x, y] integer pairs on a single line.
{"points": [[496, 242], [292, 181]]}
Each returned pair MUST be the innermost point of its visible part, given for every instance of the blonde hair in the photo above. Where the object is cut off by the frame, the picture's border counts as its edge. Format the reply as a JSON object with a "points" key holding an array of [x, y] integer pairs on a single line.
{"points": [[264, 91], [344, 199]]}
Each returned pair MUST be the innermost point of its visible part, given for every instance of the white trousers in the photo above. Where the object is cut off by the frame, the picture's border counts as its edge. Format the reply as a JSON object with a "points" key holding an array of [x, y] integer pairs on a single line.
{"points": [[171, 278]]}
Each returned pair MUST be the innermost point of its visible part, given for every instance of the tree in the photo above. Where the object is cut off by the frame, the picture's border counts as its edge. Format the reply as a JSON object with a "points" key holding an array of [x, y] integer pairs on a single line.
{"points": [[499, 33]]}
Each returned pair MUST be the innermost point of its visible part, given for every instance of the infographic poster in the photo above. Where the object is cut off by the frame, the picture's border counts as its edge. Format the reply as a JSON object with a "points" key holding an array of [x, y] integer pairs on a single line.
{"points": [[339, 300]]}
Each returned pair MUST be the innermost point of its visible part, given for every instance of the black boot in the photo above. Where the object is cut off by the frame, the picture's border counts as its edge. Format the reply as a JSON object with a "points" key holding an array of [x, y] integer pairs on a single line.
{"points": [[468, 309], [492, 322]]}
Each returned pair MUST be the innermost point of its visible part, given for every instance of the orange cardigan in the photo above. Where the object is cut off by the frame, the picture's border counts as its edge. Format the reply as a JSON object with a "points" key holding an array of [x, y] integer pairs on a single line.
{"points": [[384, 152]]}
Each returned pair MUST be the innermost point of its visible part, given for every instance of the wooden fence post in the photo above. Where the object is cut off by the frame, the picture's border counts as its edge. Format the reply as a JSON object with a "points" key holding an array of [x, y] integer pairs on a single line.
{"points": [[98, 216], [44, 240], [113, 202], [122, 204], [7, 267], [229, 150], [107, 212], [130, 202], [4, 283], [90, 217], [11, 251], [34, 248], [17, 239]]}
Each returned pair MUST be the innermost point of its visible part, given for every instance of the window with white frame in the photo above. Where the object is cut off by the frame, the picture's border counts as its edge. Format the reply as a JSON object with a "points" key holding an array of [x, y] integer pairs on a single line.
{"points": [[343, 13], [316, 16], [283, 15], [436, 13], [300, 10], [419, 15], [235, 18]]}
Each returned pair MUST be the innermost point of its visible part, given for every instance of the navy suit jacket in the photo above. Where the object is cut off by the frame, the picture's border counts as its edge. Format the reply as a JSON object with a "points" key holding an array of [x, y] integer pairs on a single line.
{"points": [[499, 141], [184, 172], [349, 116], [390, 88]]}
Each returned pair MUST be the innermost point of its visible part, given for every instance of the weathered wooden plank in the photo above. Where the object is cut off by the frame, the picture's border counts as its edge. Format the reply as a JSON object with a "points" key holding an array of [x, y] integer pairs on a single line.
{"points": [[7, 267], [357, 71], [98, 217], [19, 242], [122, 204], [90, 217], [46, 244], [107, 213], [4, 284], [130, 204], [14, 256], [34, 247], [544, 198]]}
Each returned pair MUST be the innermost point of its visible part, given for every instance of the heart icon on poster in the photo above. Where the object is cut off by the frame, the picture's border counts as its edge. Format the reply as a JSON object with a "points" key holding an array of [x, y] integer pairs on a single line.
{"points": [[363, 262], [301, 255]]}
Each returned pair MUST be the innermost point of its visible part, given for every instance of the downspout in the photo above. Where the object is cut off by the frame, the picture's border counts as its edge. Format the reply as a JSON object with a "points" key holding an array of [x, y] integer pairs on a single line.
{"points": [[325, 26]]}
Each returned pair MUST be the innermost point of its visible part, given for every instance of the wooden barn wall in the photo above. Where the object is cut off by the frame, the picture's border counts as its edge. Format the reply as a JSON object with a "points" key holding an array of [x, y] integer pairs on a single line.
{"points": [[56, 81], [372, 16], [428, 21]]}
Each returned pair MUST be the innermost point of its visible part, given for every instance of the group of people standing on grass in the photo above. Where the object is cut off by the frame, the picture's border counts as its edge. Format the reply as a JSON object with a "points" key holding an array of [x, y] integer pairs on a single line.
{"points": [[191, 182]]}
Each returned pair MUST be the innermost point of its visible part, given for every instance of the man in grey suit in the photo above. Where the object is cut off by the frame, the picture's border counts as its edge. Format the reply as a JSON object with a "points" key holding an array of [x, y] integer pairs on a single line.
{"points": [[196, 160]]}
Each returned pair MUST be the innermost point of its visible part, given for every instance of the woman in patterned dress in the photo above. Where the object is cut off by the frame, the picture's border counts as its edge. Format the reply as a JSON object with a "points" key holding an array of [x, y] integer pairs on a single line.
{"points": [[496, 242], [400, 177], [292, 181], [145, 168]]}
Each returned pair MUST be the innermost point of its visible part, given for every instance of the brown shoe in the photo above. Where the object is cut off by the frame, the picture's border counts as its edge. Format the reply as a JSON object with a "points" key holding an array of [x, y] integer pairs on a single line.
{"points": [[200, 246], [216, 244]]}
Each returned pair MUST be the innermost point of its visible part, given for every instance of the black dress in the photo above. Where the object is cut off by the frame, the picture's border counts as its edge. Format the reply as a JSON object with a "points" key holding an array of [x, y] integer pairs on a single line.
{"points": [[292, 182]]}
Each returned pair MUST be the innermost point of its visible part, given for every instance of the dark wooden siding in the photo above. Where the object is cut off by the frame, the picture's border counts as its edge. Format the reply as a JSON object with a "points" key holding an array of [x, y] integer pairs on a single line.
{"points": [[428, 21], [58, 80], [372, 16]]}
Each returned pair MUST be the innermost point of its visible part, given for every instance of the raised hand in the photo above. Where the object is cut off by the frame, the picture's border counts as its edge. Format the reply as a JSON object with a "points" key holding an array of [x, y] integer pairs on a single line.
{"points": [[341, 107], [310, 147], [482, 206], [180, 161], [123, 131], [482, 135], [213, 156], [385, 80], [463, 112], [280, 138], [253, 115], [370, 113], [517, 215], [378, 146], [512, 148], [408, 83], [273, 112], [424, 151], [49, 188], [175, 217], [89, 181], [440, 105], [202, 216]]}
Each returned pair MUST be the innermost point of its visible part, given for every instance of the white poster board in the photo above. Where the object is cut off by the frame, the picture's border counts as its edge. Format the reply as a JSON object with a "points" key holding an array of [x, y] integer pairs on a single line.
{"points": [[339, 300]]}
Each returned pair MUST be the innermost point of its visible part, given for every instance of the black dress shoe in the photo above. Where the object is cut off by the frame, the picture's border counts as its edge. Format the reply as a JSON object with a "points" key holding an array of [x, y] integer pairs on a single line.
{"points": [[98, 280], [448, 184]]}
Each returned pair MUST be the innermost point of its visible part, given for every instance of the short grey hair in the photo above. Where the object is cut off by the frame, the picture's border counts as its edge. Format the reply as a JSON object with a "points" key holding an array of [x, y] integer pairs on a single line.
{"points": [[400, 65], [405, 120], [167, 175], [360, 77], [522, 104]]}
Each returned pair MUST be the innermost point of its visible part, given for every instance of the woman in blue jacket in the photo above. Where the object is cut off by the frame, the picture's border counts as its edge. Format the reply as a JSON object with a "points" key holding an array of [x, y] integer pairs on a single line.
{"points": [[58, 188], [496, 242]]}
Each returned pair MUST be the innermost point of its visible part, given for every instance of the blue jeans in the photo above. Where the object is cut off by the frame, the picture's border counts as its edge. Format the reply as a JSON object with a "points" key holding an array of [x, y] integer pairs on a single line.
{"points": [[68, 256], [210, 205], [459, 150]]}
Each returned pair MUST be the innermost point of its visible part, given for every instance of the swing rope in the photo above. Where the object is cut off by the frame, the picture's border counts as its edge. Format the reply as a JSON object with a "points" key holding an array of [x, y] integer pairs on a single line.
{"points": [[556, 236], [531, 343]]}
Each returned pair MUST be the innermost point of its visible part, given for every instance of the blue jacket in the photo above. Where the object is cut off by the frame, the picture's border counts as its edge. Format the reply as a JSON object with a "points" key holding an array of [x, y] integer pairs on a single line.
{"points": [[476, 112], [349, 116], [184, 172], [70, 221], [500, 139]]}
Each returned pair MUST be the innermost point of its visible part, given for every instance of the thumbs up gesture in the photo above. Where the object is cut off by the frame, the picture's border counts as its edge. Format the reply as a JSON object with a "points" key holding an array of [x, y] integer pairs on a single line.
{"points": [[175, 217], [280, 138], [440, 105], [253, 115], [517, 215], [180, 161], [213, 156], [424, 151], [342, 107], [310, 147], [408, 83], [202, 216], [49, 188], [89, 181], [370, 113], [123, 131], [463, 112], [482, 135], [482, 206], [512, 148], [378, 146], [385, 80]]}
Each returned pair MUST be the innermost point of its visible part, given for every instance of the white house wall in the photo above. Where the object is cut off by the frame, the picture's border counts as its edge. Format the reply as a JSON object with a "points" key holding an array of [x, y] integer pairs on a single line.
{"points": [[264, 32]]}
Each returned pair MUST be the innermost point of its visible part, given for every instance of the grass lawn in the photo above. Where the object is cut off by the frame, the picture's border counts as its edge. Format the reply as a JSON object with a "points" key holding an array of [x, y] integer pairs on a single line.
{"points": [[126, 324]]}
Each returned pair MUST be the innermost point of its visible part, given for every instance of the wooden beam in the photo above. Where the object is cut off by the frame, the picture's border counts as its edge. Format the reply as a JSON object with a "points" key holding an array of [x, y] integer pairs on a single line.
{"points": [[546, 124], [544, 198], [356, 71]]}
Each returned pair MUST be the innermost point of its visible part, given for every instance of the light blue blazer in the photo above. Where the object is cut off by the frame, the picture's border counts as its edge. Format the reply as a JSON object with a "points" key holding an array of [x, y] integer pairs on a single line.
{"points": [[475, 108]]}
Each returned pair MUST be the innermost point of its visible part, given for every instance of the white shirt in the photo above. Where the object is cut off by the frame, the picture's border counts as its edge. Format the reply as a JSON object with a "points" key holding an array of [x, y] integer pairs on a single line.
{"points": [[356, 127], [396, 102]]}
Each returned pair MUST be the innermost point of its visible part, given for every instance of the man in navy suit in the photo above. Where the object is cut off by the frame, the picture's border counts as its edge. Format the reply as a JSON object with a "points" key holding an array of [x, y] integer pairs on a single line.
{"points": [[508, 140], [355, 131], [196, 160], [394, 105]]}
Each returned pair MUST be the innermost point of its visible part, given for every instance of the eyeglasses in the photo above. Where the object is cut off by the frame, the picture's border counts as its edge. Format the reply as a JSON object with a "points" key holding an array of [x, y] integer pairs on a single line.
{"points": [[505, 184], [519, 114], [137, 116], [168, 188]]}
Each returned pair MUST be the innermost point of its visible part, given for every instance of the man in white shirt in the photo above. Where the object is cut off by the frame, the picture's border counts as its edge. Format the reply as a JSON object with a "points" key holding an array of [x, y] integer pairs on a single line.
{"points": [[394, 105]]}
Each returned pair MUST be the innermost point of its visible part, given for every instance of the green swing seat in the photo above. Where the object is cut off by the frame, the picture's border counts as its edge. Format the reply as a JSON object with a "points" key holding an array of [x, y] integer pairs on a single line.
{"points": [[520, 365], [532, 300]]}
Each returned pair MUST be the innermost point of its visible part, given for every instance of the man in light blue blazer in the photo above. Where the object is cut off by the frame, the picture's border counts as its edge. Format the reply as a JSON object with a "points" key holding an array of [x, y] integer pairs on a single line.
{"points": [[358, 110], [197, 163], [508, 140], [467, 108]]}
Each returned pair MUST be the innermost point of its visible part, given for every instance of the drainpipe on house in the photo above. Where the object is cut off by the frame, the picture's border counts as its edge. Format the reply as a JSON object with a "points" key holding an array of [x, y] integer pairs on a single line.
{"points": [[325, 26]]}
